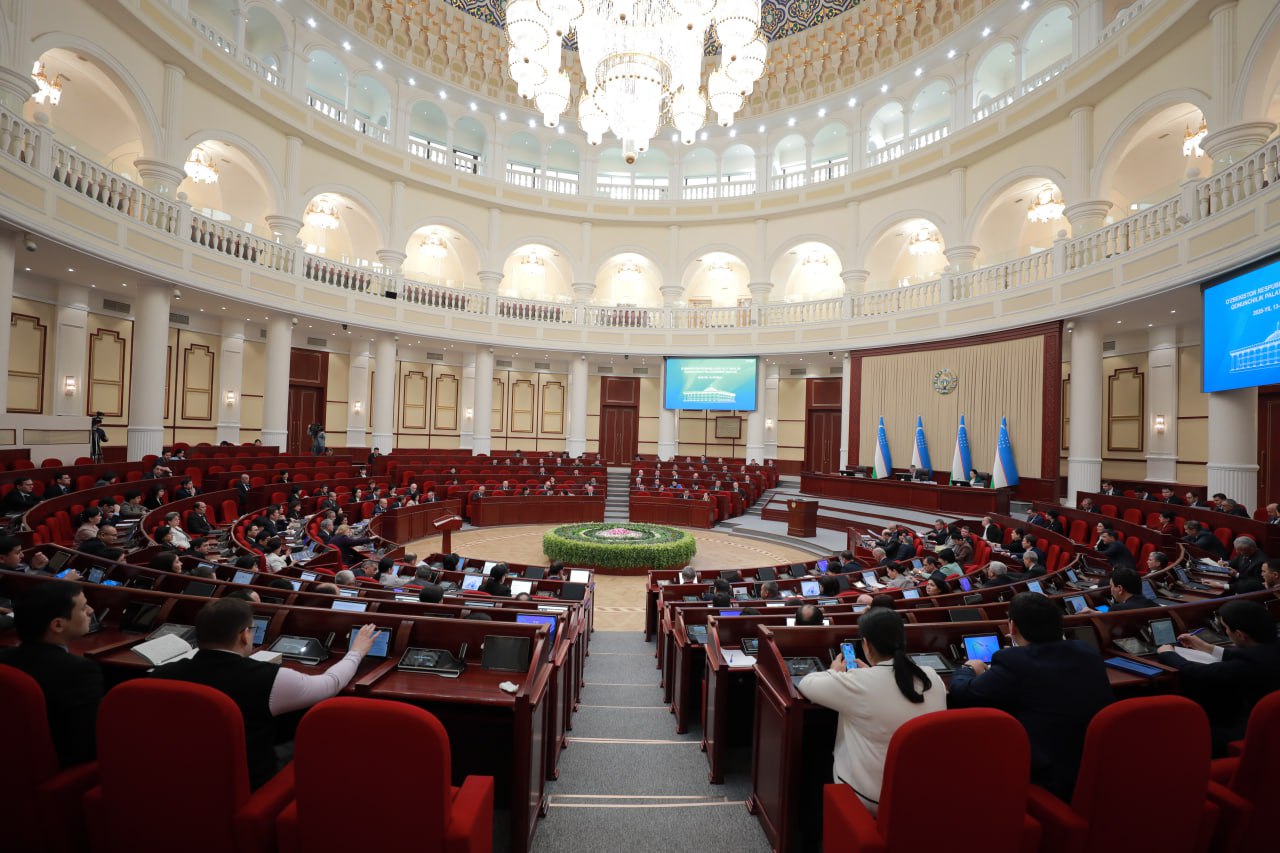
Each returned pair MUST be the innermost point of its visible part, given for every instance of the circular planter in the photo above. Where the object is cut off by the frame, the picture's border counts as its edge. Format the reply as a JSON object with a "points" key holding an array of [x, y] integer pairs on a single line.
{"points": [[625, 548]]}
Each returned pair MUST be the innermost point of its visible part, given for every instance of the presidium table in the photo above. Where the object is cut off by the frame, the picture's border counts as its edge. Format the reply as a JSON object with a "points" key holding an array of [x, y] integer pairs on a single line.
{"points": [[908, 494]]}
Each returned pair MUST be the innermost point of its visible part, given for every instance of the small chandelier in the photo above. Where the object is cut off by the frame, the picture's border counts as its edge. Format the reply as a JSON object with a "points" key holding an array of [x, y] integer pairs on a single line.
{"points": [[1192, 139], [641, 63], [629, 271], [532, 264], [924, 242], [720, 269], [321, 213], [1046, 206], [814, 258], [199, 167], [433, 246], [48, 92]]}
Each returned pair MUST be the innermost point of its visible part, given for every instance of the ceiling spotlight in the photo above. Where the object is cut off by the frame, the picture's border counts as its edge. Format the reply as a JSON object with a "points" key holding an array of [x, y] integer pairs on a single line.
{"points": [[346, 45], [472, 105], [791, 122], [760, 129], [733, 133], [919, 71], [377, 64], [853, 102], [444, 96], [986, 31], [884, 87], [822, 112], [413, 81], [1026, 4], [502, 116], [532, 123], [951, 54], [311, 22]]}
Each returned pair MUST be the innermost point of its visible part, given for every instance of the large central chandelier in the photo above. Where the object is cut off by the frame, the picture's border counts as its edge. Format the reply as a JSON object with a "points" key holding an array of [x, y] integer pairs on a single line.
{"points": [[322, 213], [1047, 206], [641, 63], [925, 241]]}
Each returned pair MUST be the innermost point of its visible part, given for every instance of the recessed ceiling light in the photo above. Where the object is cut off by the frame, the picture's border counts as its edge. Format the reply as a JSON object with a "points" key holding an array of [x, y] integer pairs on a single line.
{"points": [[377, 64], [1149, 325], [675, 137], [986, 31], [919, 71], [444, 96], [311, 22], [733, 133], [28, 269], [791, 122], [532, 123], [1118, 322], [760, 129], [124, 284], [822, 112], [502, 116], [71, 269], [1026, 4], [1173, 312], [853, 102], [884, 87], [346, 45], [951, 54], [224, 308], [560, 130], [413, 81], [472, 105], [704, 136], [94, 286]]}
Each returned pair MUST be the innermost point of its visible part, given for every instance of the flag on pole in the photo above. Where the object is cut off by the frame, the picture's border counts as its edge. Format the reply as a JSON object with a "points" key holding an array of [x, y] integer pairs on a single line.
{"points": [[920, 452], [961, 459], [1004, 471], [884, 461]]}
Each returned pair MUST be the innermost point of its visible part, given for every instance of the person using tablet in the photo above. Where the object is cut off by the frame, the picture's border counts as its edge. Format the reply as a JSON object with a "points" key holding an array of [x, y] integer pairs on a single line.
{"points": [[263, 691], [1051, 685], [873, 700]]}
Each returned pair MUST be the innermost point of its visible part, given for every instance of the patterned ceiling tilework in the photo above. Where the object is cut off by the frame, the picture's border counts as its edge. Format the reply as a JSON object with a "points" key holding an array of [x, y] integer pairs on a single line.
{"points": [[778, 18]]}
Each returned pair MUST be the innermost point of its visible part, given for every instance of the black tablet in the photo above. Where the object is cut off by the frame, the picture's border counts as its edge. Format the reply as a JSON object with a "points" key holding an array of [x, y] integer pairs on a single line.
{"points": [[506, 654]]}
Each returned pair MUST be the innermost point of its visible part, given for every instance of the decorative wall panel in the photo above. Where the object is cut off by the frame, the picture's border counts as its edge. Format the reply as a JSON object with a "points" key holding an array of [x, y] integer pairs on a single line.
{"points": [[446, 402], [553, 396], [413, 400], [108, 358], [197, 383], [524, 398], [26, 364]]}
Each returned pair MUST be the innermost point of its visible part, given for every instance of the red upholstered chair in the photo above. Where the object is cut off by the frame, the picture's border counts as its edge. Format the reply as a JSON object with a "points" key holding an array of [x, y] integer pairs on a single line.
{"points": [[1251, 777], [1161, 742], [39, 804], [171, 759], [1133, 515], [975, 750], [1108, 510], [406, 749]]}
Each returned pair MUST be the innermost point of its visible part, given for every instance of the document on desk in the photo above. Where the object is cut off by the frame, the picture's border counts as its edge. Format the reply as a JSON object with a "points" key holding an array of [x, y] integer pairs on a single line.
{"points": [[1195, 655], [733, 657]]}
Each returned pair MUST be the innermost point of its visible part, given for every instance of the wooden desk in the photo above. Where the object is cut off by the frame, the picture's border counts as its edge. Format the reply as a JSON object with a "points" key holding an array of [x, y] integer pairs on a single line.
{"points": [[677, 511], [535, 510], [1266, 535], [411, 523], [908, 495], [802, 518]]}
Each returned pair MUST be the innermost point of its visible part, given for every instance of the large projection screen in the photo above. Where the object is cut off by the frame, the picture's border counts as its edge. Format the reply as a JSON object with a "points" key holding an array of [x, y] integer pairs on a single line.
{"points": [[1242, 330], [711, 384]]}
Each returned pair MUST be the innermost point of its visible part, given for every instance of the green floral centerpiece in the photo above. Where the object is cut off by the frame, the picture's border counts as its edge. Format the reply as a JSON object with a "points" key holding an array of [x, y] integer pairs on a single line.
{"points": [[619, 546]]}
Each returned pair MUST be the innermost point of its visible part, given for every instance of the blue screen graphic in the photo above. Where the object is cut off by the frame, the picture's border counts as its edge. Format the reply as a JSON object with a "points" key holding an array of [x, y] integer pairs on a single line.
{"points": [[1242, 330], [711, 384]]}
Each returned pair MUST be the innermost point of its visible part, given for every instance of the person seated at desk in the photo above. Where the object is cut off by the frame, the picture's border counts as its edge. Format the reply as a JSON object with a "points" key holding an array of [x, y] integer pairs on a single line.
{"points": [[1114, 550], [347, 544], [949, 568], [21, 497], [1086, 505], [132, 506], [962, 550], [277, 552], [1031, 566], [1052, 686], [769, 591], [1126, 591], [49, 617], [1230, 507], [724, 599], [975, 478], [1201, 537], [719, 585], [59, 486], [1229, 687], [991, 531], [90, 520], [103, 545], [829, 585], [496, 584], [897, 578], [808, 614], [1167, 525], [914, 473], [186, 489], [873, 700], [1247, 562], [882, 559], [431, 593], [156, 498], [1169, 496], [11, 559], [1269, 579], [263, 691], [1108, 488], [996, 574], [937, 585], [166, 561]]}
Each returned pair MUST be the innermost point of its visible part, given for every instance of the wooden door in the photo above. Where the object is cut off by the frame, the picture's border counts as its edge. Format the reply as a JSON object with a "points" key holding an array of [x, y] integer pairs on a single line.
{"points": [[822, 442], [618, 433], [1268, 446], [306, 407]]}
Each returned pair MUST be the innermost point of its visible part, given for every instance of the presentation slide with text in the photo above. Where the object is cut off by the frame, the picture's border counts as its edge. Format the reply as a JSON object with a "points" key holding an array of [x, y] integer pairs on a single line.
{"points": [[711, 384], [1242, 330]]}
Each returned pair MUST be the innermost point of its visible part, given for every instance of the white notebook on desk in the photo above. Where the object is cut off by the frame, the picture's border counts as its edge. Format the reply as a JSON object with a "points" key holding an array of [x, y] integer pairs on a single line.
{"points": [[166, 648], [733, 657]]}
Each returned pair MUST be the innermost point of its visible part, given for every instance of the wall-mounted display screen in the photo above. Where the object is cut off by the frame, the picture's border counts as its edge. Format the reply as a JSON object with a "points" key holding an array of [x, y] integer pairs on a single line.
{"points": [[711, 384], [1242, 330]]}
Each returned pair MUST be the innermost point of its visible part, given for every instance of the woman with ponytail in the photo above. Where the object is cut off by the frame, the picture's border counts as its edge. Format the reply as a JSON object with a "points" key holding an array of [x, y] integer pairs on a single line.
{"points": [[873, 700]]}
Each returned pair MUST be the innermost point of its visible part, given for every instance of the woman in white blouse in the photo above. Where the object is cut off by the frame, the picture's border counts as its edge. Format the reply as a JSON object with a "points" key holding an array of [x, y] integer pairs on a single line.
{"points": [[873, 700]]}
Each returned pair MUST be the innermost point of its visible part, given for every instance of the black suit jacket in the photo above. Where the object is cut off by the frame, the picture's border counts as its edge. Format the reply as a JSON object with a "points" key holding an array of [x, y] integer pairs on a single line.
{"points": [[242, 491], [198, 525], [1054, 690], [1117, 555], [17, 501], [993, 533], [72, 689], [1137, 602], [183, 494], [1248, 567], [1206, 541], [56, 490], [1228, 690]]}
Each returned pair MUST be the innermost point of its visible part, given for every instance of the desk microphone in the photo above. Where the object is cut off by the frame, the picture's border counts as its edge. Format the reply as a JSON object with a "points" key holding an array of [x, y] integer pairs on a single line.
{"points": [[462, 652]]}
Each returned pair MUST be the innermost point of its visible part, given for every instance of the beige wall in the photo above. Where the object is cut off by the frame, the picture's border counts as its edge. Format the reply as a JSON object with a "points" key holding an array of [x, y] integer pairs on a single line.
{"points": [[791, 419]]}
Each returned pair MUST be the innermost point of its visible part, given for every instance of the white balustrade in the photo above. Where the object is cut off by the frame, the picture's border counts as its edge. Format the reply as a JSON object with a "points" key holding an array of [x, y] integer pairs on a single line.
{"points": [[994, 105], [263, 70], [998, 277], [521, 178], [346, 276], [561, 185], [1239, 181], [883, 155], [623, 317], [738, 189], [798, 313], [699, 192], [1128, 234], [829, 172], [223, 43], [1037, 80], [327, 109], [443, 298], [793, 181], [709, 317], [1122, 19], [222, 238], [508, 308], [18, 138], [106, 187], [898, 299]]}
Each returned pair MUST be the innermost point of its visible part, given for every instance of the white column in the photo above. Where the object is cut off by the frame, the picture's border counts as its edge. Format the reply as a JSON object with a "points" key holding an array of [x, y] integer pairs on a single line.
{"points": [[666, 422], [275, 394], [1084, 460], [1233, 445], [8, 249], [163, 172], [384, 392], [771, 411], [577, 444], [146, 386], [231, 380], [467, 400], [1222, 64], [846, 403], [71, 321], [358, 392], [482, 417], [755, 422], [1162, 404]]}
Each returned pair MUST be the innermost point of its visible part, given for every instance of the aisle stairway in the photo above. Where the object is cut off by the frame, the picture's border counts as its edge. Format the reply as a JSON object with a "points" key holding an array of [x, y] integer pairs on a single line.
{"points": [[628, 781], [617, 502]]}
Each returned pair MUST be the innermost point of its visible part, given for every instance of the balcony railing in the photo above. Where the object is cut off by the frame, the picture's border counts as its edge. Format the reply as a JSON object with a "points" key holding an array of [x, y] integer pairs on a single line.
{"points": [[36, 149], [223, 43]]}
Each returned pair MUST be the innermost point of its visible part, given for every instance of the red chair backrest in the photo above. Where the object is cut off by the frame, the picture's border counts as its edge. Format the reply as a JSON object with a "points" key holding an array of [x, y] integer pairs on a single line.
{"points": [[1256, 778], [1109, 510], [1079, 531], [1133, 515], [403, 747], [1224, 536], [31, 758], [171, 759], [1132, 740], [951, 751]]}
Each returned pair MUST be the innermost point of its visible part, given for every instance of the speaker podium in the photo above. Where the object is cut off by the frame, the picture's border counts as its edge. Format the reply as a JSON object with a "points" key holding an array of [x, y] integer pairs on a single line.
{"points": [[446, 525], [802, 518]]}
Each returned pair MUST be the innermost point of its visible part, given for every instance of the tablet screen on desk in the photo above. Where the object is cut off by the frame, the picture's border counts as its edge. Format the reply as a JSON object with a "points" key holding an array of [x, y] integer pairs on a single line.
{"points": [[472, 582], [1034, 586], [96, 575], [506, 654], [981, 647], [911, 593], [521, 586], [539, 619], [821, 566], [349, 606], [932, 660], [1163, 633], [199, 588], [810, 588], [243, 577], [57, 561], [487, 567], [307, 576], [730, 612], [579, 576], [348, 593], [381, 641], [1076, 603], [869, 578], [1132, 666], [965, 584], [573, 591], [260, 624]]}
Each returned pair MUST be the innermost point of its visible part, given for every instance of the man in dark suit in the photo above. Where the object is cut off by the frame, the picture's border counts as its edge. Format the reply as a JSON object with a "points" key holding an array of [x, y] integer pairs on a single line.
{"points": [[60, 486], [186, 489], [242, 488], [48, 618], [940, 533], [1126, 591], [1229, 688], [1273, 513], [263, 691], [1202, 538], [991, 531], [21, 498], [198, 520], [1169, 496], [1246, 565], [1108, 488], [1052, 686], [1110, 546]]}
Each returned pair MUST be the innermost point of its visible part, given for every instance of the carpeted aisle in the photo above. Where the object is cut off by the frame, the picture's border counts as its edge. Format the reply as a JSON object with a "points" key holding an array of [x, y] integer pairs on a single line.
{"points": [[628, 781]]}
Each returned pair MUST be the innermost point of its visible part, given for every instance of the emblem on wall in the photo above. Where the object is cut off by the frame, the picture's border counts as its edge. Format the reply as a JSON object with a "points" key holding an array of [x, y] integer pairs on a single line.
{"points": [[945, 382]]}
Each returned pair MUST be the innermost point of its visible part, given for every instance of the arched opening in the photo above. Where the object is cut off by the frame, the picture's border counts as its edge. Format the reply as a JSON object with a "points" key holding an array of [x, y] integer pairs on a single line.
{"points": [[326, 83], [339, 228], [628, 279], [1047, 47], [264, 42], [930, 115], [716, 280], [885, 132], [994, 81], [536, 271], [651, 176], [94, 116], [1005, 230], [613, 175], [831, 152], [808, 272], [738, 171], [910, 252], [437, 254], [1151, 160], [468, 145], [789, 162], [428, 132], [239, 193], [370, 105], [524, 160], [701, 173]]}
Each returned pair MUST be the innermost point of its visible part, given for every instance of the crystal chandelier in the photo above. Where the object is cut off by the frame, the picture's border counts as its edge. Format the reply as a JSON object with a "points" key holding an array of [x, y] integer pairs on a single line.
{"points": [[641, 63], [433, 246], [924, 242], [814, 259], [628, 272], [321, 213], [532, 264], [47, 92], [199, 167], [1192, 139], [720, 269], [1047, 205]]}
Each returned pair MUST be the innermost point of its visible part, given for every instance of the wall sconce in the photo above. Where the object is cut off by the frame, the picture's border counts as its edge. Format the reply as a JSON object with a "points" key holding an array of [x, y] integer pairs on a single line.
{"points": [[768, 423], [69, 386], [357, 407], [468, 414], [231, 399], [1160, 425]]}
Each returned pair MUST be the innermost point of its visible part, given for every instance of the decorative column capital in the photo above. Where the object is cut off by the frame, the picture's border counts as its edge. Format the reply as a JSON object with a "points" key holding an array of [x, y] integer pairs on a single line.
{"points": [[583, 291], [1248, 135], [160, 177], [285, 228], [489, 280], [855, 281], [392, 259], [760, 290], [961, 257], [1086, 216], [16, 88]]}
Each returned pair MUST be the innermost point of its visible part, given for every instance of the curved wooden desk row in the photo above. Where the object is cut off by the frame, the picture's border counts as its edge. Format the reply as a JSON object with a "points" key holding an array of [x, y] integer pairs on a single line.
{"points": [[907, 494], [682, 513], [514, 738], [516, 510], [1266, 535]]}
